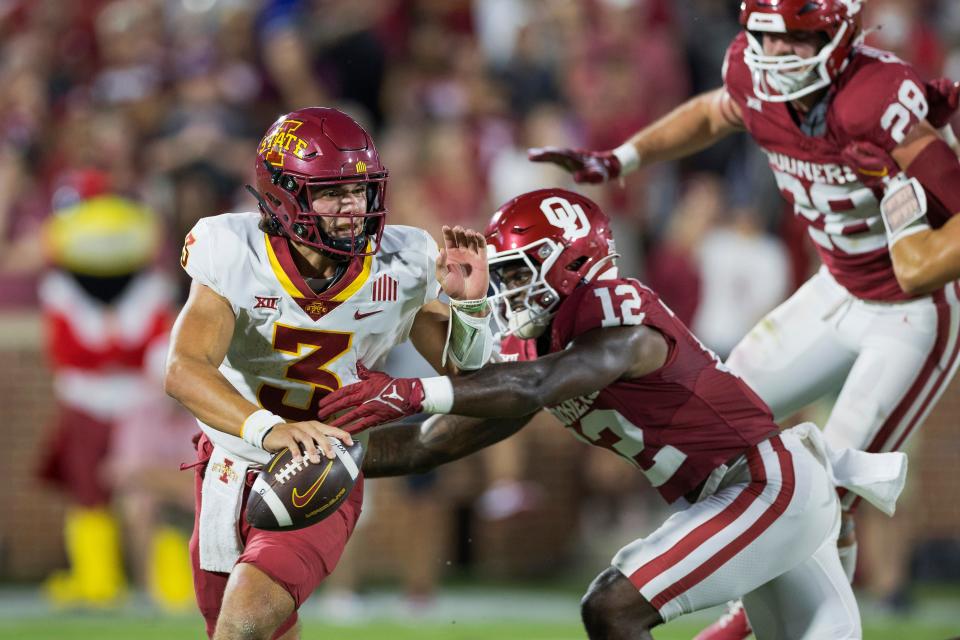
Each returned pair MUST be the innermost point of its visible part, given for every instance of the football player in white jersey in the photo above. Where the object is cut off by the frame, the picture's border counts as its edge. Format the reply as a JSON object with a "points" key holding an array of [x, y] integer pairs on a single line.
{"points": [[285, 304]]}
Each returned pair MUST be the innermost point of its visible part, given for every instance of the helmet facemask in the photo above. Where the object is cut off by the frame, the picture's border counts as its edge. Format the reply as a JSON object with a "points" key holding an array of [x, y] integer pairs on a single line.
{"points": [[523, 302], [292, 195], [783, 78]]}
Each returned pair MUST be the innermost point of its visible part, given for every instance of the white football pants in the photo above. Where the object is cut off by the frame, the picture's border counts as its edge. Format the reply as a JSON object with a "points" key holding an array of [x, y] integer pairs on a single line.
{"points": [[768, 535], [891, 362]]}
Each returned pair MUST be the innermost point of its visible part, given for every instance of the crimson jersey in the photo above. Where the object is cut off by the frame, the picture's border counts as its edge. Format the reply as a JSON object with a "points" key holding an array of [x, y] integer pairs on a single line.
{"points": [[877, 98], [676, 424]]}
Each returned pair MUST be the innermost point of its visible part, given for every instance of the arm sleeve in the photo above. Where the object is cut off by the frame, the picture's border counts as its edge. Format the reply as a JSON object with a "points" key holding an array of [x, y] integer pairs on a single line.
{"points": [[736, 76], [603, 303], [884, 102], [431, 253], [197, 256]]}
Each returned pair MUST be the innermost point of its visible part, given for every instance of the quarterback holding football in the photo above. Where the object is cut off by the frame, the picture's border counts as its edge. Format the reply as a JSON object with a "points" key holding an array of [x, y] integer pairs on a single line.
{"points": [[285, 302]]}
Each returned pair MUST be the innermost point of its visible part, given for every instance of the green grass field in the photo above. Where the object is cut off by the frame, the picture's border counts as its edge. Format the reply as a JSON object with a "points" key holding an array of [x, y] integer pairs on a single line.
{"points": [[89, 627], [547, 612]]}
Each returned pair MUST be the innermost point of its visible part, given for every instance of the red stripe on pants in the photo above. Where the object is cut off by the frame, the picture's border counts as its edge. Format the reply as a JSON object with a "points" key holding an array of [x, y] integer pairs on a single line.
{"points": [[774, 511], [708, 529]]}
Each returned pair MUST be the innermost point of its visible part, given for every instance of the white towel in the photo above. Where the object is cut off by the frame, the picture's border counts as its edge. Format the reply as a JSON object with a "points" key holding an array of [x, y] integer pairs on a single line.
{"points": [[878, 478], [223, 485]]}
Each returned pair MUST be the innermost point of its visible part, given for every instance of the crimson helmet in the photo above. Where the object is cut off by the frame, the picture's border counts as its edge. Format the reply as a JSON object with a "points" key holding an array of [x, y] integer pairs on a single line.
{"points": [[319, 147], [561, 237], [785, 78]]}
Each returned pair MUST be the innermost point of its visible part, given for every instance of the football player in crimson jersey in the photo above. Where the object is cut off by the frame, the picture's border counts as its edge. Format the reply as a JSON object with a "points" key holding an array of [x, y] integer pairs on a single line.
{"points": [[612, 362], [924, 259], [799, 80], [284, 303]]}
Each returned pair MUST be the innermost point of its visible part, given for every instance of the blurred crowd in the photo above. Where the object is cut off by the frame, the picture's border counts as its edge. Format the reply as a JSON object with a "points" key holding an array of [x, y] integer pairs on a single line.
{"points": [[167, 98], [162, 102]]}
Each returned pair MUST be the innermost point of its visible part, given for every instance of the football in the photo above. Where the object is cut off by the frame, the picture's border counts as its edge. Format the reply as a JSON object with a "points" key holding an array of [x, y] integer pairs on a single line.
{"points": [[291, 495]]}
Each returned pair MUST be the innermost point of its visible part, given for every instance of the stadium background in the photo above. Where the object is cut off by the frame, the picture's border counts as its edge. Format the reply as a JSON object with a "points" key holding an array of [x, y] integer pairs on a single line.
{"points": [[168, 98]]}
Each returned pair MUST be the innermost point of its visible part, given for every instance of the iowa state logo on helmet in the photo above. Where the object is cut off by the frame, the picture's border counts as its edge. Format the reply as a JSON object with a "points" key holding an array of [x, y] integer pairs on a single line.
{"points": [[279, 140]]}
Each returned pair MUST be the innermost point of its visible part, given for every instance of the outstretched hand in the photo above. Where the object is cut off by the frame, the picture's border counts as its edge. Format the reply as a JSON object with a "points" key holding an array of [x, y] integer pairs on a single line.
{"points": [[376, 399], [462, 265], [943, 96], [586, 166]]}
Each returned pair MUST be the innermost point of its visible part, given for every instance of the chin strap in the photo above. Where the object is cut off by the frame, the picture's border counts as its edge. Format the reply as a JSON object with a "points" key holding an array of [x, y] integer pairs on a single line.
{"points": [[469, 338]]}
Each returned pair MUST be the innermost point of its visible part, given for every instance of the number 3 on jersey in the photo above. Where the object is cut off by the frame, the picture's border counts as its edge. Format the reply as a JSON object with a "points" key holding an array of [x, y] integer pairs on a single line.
{"points": [[325, 347]]}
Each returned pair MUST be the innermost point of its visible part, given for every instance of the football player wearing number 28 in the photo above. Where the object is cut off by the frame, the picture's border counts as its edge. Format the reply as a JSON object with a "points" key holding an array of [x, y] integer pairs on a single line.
{"points": [[759, 515], [799, 80], [284, 304]]}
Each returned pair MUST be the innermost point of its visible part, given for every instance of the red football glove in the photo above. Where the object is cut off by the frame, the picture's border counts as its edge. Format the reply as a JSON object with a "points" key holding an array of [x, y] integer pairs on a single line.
{"points": [[943, 96], [586, 166], [377, 399], [874, 166]]}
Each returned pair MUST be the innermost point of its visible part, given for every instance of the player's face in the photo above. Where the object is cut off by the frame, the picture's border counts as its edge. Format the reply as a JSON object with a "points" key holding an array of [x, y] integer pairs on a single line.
{"points": [[522, 299], [348, 199], [804, 44], [514, 277]]}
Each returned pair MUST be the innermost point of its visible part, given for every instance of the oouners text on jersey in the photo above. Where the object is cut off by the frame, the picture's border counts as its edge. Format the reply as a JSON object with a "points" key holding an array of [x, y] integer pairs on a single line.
{"points": [[291, 346]]}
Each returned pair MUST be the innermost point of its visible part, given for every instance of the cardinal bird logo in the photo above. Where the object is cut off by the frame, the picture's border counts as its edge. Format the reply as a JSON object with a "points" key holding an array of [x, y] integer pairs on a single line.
{"points": [[301, 500]]}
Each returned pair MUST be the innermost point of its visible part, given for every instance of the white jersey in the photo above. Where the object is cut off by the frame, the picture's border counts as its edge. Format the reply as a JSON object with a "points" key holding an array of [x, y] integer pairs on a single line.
{"points": [[290, 346]]}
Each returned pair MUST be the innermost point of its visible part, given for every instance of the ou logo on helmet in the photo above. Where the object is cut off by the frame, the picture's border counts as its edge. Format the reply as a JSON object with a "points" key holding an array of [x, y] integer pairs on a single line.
{"points": [[562, 214]]}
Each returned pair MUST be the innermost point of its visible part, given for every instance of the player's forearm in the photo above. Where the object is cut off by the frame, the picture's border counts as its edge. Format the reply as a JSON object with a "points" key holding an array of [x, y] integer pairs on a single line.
{"points": [[509, 390], [202, 389], [520, 388], [927, 260], [513, 389], [403, 449], [691, 127]]}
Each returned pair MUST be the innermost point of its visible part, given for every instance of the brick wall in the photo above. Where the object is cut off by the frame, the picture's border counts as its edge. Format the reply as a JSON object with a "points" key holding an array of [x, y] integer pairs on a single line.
{"points": [[30, 514], [935, 469]]}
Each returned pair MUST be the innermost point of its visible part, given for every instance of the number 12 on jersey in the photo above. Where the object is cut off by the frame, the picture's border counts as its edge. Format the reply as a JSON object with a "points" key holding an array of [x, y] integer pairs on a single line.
{"points": [[629, 309]]}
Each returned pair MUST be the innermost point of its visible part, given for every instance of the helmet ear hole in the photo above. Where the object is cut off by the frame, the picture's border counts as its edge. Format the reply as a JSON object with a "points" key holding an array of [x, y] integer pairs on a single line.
{"points": [[576, 264]]}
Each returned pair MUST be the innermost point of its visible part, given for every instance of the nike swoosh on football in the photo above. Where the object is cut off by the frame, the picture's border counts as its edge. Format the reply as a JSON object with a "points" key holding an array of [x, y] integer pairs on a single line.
{"points": [[300, 501], [360, 316]]}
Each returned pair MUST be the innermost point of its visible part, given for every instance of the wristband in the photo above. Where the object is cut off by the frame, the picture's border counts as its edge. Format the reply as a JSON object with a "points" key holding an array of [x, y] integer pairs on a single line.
{"points": [[257, 425], [469, 341], [470, 306], [903, 208], [437, 394], [628, 156]]}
